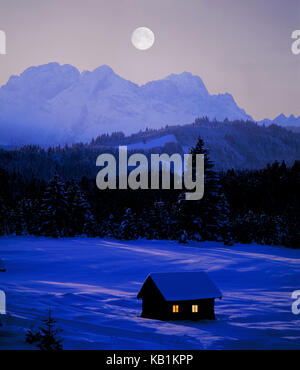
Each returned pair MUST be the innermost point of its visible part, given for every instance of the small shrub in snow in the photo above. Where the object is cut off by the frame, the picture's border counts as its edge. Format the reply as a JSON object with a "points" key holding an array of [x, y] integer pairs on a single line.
{"points": [[46, 337]]}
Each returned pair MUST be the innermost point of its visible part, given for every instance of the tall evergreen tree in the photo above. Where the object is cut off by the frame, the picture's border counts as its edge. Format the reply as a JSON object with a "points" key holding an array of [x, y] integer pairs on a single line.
{"points": [[31, 215], [128, 227], [3, 218], [79, 216], [207, 218], [20, 223], [54, 215]]}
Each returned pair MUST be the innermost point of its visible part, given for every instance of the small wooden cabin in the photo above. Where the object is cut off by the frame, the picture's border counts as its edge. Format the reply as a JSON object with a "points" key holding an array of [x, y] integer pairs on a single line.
{"points": [[179, 296]]}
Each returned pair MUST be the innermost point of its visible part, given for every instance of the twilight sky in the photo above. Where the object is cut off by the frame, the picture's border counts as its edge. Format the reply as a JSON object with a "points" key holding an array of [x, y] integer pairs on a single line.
{"points": [[238, 46]]}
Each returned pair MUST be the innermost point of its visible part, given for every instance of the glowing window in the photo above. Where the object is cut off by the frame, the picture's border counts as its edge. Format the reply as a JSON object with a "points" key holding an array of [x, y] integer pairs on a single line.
{"points": [[194, 308], [175, 308]]}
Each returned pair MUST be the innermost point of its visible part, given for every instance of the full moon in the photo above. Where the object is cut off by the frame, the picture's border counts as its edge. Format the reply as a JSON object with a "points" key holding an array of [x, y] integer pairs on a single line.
{"points": [[142, 38]]}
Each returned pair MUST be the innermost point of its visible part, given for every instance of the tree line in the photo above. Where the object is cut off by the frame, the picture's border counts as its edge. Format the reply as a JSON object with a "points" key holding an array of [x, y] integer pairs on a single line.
{"points": [[244, 206]]}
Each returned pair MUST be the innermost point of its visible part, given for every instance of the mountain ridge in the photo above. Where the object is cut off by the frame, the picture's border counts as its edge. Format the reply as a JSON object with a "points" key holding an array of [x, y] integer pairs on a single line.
{"points": [[282, 120], [57, 104]]}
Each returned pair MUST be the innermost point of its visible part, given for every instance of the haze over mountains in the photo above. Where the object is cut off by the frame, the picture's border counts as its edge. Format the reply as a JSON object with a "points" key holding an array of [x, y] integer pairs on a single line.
{"points": [[56, 104]]}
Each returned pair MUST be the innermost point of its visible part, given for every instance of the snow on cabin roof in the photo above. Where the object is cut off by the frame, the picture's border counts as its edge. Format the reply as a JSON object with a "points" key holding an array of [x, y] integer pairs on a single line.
{"points": [[183, 286]]}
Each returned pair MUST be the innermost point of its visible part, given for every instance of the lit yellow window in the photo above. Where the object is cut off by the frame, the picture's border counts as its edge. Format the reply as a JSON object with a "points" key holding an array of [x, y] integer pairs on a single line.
{"points": [[175, 308], [194, 308]]}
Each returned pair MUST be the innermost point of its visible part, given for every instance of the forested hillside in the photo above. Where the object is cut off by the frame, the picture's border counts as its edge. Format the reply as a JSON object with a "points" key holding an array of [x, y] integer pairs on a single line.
{"points": [[238, 145], [238, 206]]}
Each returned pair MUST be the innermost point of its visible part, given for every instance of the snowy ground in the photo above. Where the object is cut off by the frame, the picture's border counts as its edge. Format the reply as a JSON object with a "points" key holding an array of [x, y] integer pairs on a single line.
{"points": [[91, 287]]}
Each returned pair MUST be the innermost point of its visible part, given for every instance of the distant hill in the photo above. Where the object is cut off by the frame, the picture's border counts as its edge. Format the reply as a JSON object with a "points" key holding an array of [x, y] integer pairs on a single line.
{"points": [[235, 144], [238, 145]]}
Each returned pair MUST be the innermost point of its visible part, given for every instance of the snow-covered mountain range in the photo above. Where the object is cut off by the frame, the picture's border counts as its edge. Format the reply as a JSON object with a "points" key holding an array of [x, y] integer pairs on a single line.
{"points": [[283, 120], [56, 103]]}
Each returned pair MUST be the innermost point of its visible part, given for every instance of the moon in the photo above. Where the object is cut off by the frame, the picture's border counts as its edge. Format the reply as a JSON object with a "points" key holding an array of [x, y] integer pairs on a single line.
{"points": [[142, 38]]}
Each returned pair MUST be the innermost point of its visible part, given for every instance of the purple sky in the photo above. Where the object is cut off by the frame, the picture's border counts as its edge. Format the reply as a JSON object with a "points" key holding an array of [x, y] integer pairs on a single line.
{"points": [[238, 46]]}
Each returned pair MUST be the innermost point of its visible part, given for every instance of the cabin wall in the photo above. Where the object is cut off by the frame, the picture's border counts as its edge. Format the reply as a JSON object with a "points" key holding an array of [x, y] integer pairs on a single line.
{"points": [[156, 308], [206, 310], [154, 304]]}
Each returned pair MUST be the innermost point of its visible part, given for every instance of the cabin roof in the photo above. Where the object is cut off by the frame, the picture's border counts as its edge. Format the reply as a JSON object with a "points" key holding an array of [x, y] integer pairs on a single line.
{"points": [[183, 286]]}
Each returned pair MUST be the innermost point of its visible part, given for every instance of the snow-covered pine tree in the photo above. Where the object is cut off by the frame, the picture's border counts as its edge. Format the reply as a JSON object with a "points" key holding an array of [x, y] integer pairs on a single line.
{"points": [[110, 226], [31, 215], [143, 224], [49, 336], [11, 221], [128, 228], [224, 221], [207, 218], [20, 223], [54, 215], [80, 218], [151, 223], [160, 222], [3, 218]]}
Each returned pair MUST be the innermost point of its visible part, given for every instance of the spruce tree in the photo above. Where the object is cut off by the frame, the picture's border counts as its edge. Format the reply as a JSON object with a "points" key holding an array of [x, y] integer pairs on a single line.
{"points": [[80, 218], [31, 215], [207, 218], [54, 215], [20, 224], [3, 218], [159, 222], [128, 227], [49, 339], [110, 227]]}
